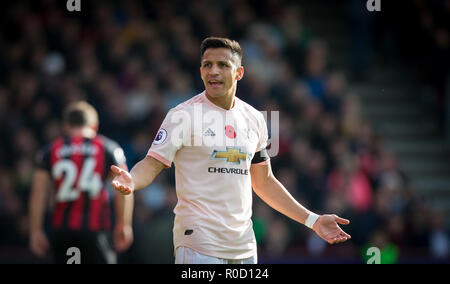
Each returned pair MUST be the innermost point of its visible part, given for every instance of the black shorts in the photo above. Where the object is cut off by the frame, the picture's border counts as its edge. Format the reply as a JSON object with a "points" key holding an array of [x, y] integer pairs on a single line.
{"points": [[83, 247]]}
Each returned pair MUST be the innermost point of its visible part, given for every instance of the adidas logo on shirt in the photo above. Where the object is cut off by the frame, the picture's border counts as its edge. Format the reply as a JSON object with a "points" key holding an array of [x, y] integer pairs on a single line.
{"points": [[209, 132]]}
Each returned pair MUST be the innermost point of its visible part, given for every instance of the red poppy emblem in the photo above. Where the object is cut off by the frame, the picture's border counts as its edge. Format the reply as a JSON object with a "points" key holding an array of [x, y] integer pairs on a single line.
{"points": [[229, 132]]}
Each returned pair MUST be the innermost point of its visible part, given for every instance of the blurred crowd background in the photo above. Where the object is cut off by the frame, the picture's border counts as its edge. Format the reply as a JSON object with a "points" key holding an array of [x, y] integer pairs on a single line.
{"points": [[134, 60]]}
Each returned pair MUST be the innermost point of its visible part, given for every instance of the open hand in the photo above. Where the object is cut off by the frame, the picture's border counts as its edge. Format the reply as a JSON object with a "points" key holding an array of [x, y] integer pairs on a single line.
{"points": [[328, 229], [122, 181], [123, 237], [39, 243]]}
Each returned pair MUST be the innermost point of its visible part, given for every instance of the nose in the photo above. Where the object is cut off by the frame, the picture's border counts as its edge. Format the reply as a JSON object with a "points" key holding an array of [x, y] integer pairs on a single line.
{"points": [[214, 70]]}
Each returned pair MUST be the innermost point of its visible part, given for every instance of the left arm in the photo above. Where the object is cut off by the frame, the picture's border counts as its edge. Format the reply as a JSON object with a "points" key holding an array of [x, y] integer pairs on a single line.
{"points": [[269, 189]]}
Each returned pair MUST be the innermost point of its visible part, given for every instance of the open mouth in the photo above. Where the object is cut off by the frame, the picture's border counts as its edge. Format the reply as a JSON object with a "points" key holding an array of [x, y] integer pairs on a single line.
{"points": [[215, 84]]}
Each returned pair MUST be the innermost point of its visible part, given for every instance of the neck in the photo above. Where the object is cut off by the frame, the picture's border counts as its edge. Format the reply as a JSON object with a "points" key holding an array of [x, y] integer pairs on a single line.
{"points": [[225, 102], [83, 131]]}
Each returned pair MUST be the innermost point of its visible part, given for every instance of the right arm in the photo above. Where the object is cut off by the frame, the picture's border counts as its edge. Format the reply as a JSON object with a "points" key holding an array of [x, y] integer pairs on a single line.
{"points": [[140, 176], [144, 172], [159, 156], [37, 205]]}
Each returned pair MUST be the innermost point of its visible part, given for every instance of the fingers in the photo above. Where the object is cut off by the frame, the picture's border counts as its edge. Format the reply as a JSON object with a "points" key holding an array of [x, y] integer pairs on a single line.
{"points": [[346, 235], [116, 170], [39, 248], [122, 245], [340, 220], [122, 241], [125, 190], [118, 243], [119, 246], [342, 237], [337, 240], [35, 249]]}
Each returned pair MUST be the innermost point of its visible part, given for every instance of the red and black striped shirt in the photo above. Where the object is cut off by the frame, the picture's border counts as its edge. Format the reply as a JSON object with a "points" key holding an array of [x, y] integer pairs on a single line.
{"points": [[79, 167]]}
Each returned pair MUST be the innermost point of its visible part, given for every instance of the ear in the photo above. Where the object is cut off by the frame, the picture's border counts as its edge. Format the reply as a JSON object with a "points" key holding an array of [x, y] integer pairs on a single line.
{"points": [[240, 73], [95, 127]]}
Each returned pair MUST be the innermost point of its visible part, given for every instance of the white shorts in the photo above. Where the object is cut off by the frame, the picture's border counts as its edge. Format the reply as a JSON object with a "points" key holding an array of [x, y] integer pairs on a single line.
{"points": [[185, 255]]}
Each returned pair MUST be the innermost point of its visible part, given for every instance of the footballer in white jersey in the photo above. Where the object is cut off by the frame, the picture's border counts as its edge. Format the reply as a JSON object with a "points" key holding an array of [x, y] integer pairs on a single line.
{"points": [[218, 146], [212, 173]]}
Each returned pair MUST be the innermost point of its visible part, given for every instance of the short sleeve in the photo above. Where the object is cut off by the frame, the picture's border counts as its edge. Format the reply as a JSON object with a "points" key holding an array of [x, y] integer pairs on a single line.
{"points": [[171, 136], [263, 135]]}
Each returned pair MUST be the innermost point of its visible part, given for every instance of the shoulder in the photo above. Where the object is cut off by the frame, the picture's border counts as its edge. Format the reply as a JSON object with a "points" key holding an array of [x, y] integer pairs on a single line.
{"points": [[42, 156], [189, 104], [53, 145], [184, 110], [250, 110], [110, 146], [44, 152], [112, 149], [107, 142]]}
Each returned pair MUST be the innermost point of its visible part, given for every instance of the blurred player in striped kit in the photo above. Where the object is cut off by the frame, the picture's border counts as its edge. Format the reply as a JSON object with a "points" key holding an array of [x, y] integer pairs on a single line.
{"points": [[78, 166]]}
